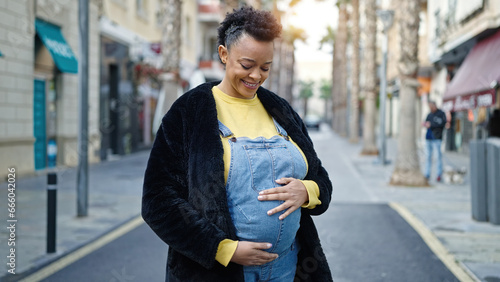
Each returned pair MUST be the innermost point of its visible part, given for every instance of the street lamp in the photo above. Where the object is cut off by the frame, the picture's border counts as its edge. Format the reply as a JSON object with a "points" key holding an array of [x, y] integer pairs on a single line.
{"points": [[387, 17]]}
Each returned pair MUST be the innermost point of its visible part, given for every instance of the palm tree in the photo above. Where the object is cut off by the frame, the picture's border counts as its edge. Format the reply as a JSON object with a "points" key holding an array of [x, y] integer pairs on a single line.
{"points": [[306, 92], [290, 36], [282, 76], [326, 94], [171, 35], [275, 74], [407, 168], [329, 38], [288, 75], [354, 113], [170, 47], [339, 72], [369, 63]]}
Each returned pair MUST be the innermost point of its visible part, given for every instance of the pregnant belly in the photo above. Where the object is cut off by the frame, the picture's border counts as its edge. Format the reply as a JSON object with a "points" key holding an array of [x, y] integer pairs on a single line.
{"points": [[253, 224]]}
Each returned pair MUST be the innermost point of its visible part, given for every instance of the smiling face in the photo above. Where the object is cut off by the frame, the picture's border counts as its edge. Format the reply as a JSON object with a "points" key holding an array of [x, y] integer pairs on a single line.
{"points": [[247, 66]]}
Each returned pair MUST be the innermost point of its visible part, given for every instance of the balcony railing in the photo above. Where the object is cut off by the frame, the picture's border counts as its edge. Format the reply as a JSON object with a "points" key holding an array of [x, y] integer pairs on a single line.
{"points": [[209, 11]]}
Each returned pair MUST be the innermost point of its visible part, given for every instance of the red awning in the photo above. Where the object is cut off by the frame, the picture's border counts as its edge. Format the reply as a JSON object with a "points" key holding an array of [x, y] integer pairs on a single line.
{"points": [[475, 83]]}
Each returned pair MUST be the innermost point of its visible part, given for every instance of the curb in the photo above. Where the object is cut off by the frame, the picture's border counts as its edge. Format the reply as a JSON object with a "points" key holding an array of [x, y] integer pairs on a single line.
{"points": [[48, 266], [458, 269]]}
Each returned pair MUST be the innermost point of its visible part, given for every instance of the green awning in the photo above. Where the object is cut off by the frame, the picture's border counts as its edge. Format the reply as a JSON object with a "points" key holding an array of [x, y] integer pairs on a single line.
{"points": [[53, 40], [1, 55]]}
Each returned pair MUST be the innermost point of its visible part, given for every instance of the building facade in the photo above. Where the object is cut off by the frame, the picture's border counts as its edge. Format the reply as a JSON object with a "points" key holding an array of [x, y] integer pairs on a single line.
{"points": [[130, 32], [463, 46], [39, 84], [39, 107]]}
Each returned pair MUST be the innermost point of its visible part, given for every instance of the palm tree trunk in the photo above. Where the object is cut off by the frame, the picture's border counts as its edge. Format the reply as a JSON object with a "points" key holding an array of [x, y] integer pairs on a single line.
{"points": [[339, 89], [407, 167], [343, 40], [171, 35], [284, 66], [334, 90], [290, 70], [170, 47], [354, 115], [274, 76], [370, 111]]}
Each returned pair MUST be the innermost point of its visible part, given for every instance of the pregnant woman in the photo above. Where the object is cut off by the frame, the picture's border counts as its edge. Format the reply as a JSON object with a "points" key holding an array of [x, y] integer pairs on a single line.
{"points": [[233, 178]]}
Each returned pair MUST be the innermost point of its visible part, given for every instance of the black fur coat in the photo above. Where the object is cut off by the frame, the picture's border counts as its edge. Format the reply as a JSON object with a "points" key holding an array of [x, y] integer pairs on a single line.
{"points": [[184, 196]]}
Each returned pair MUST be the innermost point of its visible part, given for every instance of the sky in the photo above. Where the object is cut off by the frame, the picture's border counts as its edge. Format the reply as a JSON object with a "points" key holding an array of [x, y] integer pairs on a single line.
{"points": [[313, 16]]}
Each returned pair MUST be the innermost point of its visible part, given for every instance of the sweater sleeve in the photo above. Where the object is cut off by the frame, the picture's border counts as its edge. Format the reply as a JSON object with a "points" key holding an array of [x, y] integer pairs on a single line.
{"points": [[312, 193], [165, 205], [225, 251]]}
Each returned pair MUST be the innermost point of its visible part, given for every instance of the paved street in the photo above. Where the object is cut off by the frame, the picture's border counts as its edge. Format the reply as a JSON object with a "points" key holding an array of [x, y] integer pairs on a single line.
{"points": [[371, 242], [443, 209], [115, 189], [139, 255], [364, 237], [363, 242]]}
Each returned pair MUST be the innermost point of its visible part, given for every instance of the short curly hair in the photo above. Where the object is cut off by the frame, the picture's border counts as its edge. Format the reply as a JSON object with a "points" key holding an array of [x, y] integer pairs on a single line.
{"points": [[259, 24]]}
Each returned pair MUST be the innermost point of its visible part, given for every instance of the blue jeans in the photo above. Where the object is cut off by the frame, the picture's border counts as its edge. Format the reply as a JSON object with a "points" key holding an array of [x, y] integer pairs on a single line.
{"points": [[255, 165], [433, 145]]}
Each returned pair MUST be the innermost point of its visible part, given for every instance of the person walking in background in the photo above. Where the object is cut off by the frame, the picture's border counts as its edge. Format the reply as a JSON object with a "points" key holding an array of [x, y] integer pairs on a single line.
{"points": [[233, 179], [435, 123]]}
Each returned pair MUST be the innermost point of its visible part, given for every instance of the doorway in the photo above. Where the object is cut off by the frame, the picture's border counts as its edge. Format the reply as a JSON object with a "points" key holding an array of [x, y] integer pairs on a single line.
{"points": [[39, 124]]}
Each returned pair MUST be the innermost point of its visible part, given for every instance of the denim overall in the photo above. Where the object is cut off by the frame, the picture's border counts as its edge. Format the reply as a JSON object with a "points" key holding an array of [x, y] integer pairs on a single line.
{"points": [[255, 165]]}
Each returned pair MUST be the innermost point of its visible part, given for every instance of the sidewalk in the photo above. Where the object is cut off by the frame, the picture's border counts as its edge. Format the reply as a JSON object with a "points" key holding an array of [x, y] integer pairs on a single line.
{"points": [[115, 197], [444, 209], [115, 190]]}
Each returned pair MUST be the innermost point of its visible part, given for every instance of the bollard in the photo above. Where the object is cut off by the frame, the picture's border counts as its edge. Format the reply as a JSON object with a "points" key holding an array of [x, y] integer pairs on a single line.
{"points": [[493, 166], [51, 211], [478, 180]]}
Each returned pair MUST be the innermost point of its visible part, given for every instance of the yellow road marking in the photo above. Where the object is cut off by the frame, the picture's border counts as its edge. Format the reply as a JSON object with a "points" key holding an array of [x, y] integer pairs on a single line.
{"points": [[83, 251], [433, 243]]}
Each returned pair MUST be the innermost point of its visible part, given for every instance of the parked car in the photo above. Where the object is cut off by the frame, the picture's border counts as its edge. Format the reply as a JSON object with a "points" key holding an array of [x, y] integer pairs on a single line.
{"points": [[312, 121]]}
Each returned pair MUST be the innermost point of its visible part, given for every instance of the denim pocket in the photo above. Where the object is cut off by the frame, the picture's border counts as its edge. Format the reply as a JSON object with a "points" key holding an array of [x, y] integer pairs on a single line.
{"points": [[267, 163]]}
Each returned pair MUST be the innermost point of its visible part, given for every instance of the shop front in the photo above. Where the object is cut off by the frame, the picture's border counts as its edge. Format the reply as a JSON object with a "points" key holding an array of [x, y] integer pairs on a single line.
{"points": [[472, 94], [121, 99], [53, 59]]}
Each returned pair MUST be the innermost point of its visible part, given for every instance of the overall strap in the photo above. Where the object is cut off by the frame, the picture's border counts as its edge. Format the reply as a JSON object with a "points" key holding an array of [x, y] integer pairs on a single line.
{"points": [[224, 130], [280, 129]]}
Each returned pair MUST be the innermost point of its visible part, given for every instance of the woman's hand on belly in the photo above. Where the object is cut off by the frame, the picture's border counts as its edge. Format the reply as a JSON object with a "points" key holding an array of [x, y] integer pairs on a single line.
{"points": [[293, 193], [251, 253]]}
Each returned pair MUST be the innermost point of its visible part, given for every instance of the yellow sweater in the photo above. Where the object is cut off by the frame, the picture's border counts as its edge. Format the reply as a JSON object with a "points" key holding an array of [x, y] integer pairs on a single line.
{"points": [[248, 118]]}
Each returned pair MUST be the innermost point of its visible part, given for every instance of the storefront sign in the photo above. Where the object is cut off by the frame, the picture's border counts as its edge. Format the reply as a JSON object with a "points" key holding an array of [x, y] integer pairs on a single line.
{"points": [[54, 41], [469, 102]]}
